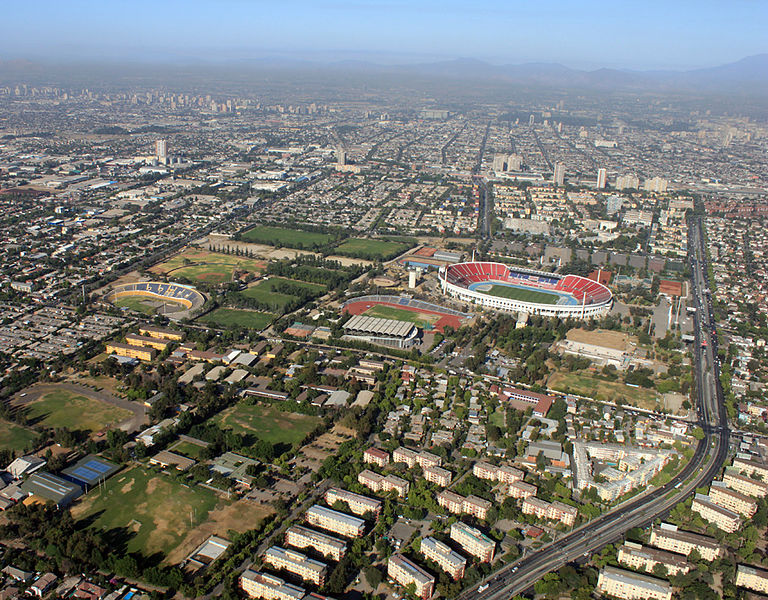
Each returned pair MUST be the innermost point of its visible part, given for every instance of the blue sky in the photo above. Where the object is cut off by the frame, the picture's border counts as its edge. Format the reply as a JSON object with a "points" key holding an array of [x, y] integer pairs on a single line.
{"points": [[587, 33]]}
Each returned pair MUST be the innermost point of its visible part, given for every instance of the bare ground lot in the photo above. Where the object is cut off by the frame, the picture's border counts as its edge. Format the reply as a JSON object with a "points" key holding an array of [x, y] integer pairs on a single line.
{"points": [[602, 337], [270, 252]]}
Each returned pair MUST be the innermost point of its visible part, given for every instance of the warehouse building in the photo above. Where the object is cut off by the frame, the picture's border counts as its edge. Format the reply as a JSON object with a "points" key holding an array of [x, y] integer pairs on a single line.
{"points": [[47, 487]]}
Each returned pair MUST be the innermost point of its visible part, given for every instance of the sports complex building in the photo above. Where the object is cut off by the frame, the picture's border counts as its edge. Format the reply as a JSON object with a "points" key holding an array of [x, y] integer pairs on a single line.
{"points": [[502, 287]]}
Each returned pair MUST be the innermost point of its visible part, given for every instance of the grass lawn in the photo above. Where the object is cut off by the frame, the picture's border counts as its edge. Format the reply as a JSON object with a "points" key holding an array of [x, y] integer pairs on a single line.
{"points": [[137, 303], [600, 389], [423, 320], [73, 411], [514, 293], [267, 423], [371, 249], [188, 449], [498, 418], [292, 238], [208, 267], [231, 317], [15, 437], [155, 509], [263, 291]]}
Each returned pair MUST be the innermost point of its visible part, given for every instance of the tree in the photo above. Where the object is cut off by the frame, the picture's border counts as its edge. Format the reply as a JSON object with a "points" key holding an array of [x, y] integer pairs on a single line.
{"points": [[373, 576]]}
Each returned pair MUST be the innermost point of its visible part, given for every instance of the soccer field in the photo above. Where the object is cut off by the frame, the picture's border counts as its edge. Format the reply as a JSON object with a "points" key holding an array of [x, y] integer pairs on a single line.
{"points": [[208, 267], [382, 311], [234, 318], [63, 408], [524, 295]]}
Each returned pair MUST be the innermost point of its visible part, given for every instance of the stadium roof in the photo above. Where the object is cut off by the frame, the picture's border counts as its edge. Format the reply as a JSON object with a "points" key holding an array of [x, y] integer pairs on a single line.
{"points": [[379, 326], [90, 470]]}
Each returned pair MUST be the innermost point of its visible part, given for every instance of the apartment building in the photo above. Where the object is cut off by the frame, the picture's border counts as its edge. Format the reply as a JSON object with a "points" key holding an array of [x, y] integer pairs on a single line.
{"points": [[555, 511], [520, 489], [737, 502], [303, 537], [504, 474], [744, 485], [438, 476], [752, 578], [644, 558], [451, 501], [720, 517], [449, 561], [424, 459], [669, 537], [632, 586], [381, 483], [137, 352], [335, 521], [376, 456], [457, 504], [405, 455], [473, 541], [750, 467], [297, 563], [404, 572], [269, 587], [357, 503]]}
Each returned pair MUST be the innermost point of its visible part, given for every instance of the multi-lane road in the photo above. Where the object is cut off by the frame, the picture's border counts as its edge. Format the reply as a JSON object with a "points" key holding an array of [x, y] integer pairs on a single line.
{"points": [[707, 461]]}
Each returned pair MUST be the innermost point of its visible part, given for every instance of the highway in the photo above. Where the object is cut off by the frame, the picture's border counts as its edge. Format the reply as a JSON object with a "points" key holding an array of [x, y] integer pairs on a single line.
{"points": [[708, 459]]}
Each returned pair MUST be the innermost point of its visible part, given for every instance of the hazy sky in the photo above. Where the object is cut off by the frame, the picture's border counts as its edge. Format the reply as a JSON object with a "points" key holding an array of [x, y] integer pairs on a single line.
{"points": [[583, 33]]}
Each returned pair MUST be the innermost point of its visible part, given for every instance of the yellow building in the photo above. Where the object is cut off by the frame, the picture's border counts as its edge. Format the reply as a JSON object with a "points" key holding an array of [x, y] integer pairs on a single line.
{"points": [[269, 587], [745, 485], [164, 334], [722, 518], [735, 501], [145, 341], [138, 352], [297, 563]]}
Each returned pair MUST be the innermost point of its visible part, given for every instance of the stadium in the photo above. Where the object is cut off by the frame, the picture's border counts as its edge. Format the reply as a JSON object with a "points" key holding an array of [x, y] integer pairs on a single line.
{"points": [[501, 287], [168, 295]]}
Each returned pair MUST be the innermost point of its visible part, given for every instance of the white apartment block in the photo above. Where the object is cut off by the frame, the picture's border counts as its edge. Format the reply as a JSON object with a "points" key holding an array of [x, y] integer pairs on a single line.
{"points": [[381, 483], [357, 503], [269, 587], [297, 563], [668, 537], [752, 578], [555, 511], [751, 467], [438, 476], [473, 541], [504, 474], [451, 562], [303, 537], [520, 489], [644, 558], [720, 517], [734, 501], [410, 457], [632, 586], [477, 507], [404, 572], [376, 456], [451, 501], [745, 485], [335, 521]]}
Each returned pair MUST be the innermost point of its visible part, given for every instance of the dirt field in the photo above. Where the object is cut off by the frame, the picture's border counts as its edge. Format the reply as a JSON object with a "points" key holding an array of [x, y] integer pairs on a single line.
{"points": [[270, 252], [238, 516], [602, 337]]}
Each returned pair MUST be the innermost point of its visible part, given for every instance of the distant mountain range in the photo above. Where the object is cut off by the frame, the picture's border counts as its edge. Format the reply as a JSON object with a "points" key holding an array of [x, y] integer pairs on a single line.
{"points": [[746, 76]]}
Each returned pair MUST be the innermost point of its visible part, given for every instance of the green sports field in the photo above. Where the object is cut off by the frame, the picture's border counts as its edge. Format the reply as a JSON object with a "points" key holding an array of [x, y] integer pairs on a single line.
{"points": [[264, 291], [63, 408], [267, 423], [515, 293], [208, 267], [137, 303], [382, 311], [291, 238], [156, 510], [371, 249], [236, 318], [15, 437]]}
